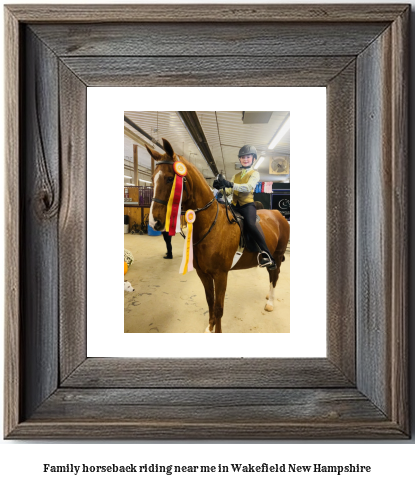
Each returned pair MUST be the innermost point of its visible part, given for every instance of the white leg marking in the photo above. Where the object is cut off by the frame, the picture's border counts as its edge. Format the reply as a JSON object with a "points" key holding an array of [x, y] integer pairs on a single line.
{"points": [[269, 307], [151, 220]]}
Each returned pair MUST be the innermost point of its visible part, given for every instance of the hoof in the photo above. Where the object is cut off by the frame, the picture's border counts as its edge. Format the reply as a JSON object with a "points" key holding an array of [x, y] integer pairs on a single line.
{"points": [[269, 308], [208, 330]]}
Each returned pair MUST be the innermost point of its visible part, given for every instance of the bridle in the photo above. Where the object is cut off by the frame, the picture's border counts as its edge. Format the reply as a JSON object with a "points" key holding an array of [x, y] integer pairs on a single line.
{"points": [[164, 202]]}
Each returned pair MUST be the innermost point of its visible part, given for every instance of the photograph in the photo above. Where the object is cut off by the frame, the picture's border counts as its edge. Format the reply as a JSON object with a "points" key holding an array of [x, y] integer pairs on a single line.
{"points": [[207, 221], [76, 366]]}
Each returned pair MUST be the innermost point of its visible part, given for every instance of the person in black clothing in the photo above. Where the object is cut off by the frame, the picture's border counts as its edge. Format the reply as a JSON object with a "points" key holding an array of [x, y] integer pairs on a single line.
{"points": [[242, 187], [167, 240]]}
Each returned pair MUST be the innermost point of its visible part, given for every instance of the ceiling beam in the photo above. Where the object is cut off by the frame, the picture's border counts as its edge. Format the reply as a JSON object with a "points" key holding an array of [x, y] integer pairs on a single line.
{"points": [[132, 135], [191, 122], [143, 132]]}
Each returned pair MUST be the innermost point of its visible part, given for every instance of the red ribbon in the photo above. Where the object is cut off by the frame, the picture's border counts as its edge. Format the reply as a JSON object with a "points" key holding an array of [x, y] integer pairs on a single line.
{"points": [[175, 210]]}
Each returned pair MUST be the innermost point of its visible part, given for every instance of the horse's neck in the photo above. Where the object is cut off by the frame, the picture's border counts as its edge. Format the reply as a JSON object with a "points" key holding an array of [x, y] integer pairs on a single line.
{"points": [[201, 194]]}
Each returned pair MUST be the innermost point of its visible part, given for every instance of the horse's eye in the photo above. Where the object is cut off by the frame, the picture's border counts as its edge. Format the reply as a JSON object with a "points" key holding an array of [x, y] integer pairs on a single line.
{"points": [[170, 179]]}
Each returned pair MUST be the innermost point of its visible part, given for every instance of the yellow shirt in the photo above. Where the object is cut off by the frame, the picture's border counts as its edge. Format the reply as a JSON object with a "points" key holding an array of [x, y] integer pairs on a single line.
{"points": [[244, 184]]}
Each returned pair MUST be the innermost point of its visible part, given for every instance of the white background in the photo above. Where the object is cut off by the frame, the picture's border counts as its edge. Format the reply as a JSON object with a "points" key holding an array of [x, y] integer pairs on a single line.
{"points": [[105, 237], [392, 462]]}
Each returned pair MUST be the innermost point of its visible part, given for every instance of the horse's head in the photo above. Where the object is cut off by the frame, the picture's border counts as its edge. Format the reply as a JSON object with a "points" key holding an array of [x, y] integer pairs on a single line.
{"points": [[163, 178]]}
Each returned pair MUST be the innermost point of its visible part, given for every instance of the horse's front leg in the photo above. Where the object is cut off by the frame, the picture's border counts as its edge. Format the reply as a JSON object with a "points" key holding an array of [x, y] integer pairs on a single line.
{"points": [[210, 297], [221, 280]]}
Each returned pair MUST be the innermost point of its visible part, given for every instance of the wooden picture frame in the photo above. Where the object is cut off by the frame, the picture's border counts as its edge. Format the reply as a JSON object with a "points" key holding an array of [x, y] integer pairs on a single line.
{"points": [[360, 53]]}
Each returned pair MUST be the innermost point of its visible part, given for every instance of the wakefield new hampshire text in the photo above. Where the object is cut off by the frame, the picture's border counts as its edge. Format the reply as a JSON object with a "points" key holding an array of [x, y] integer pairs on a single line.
{"points": [[235, 468]]}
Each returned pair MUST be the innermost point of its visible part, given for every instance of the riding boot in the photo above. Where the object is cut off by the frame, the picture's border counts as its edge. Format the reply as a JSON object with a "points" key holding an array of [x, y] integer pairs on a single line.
{"points": [[266, 261], [168, 255]]}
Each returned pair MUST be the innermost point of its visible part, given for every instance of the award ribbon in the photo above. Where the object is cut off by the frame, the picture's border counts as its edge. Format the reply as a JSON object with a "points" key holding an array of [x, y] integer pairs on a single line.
{"points": [[187, 261], [174, 206]]}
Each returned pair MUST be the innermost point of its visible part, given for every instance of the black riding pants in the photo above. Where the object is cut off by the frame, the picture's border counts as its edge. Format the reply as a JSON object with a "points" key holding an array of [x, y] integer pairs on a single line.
{"points": [[167, 240], [248, 212]]}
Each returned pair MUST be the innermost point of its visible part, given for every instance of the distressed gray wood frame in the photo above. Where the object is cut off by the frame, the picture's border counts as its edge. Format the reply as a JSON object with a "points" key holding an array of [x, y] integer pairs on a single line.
{"points": [[359, 391]]}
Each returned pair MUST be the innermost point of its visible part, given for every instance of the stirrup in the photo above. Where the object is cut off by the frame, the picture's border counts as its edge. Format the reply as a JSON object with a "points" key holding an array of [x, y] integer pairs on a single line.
{"points": [[266, 262]]}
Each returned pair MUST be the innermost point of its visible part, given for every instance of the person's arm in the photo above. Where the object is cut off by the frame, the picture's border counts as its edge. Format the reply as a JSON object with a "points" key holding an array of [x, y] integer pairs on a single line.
{"points": [[247, 187], [230, 190]]}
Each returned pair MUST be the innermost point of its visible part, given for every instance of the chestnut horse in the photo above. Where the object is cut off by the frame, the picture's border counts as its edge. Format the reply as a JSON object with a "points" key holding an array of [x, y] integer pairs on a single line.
{"points": [[213, 256]]}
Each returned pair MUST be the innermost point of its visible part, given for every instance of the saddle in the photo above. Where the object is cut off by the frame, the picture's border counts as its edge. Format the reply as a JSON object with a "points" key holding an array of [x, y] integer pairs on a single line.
{"points": [[246, 241]]}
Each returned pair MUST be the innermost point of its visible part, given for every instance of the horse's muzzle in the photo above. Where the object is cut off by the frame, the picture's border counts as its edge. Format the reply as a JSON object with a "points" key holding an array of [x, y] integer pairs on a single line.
{"points": [[158, 225]]}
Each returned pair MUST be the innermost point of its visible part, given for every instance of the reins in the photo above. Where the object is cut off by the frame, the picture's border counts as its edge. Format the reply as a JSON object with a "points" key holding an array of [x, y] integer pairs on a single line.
{"points": [[228, 205], [164, 202], [214, 222]]}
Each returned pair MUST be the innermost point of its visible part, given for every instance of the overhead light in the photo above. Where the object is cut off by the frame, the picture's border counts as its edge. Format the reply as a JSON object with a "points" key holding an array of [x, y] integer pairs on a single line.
{"points": [[125, 176], [280, 134], [128, 184], [260, 160], [145, 181]]}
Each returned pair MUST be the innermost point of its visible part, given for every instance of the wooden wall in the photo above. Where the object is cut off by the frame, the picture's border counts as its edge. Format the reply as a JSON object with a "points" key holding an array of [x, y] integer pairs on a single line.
{"points": [[133, 193], [135, 214]]}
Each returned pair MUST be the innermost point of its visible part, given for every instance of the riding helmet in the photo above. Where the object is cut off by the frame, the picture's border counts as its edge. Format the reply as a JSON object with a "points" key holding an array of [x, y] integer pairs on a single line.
{"points": [[246, 150]]}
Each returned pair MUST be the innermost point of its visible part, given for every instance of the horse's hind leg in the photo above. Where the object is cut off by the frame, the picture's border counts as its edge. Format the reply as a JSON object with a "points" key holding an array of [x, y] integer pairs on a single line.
{"points": [[273, 278], [269, 306], [210, 297], [220, 280]]}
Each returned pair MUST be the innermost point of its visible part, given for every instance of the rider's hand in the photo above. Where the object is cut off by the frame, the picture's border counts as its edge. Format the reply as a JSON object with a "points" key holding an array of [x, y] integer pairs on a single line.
{"points": [[224, 183]]}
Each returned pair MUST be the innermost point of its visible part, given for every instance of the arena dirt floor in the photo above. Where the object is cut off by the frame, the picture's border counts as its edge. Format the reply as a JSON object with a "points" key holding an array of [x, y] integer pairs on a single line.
{"points": [[165, 301]]}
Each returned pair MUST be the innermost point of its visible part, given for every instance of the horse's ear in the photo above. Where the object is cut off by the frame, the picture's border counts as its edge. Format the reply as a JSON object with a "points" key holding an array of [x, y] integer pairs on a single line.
{"points": [[153, 153], [168, 148]]}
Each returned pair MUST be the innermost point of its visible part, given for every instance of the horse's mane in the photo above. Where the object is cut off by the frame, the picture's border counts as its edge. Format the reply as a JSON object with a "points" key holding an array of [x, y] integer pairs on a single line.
{"points": [[196, 170], [170, 154], [196, 177]]}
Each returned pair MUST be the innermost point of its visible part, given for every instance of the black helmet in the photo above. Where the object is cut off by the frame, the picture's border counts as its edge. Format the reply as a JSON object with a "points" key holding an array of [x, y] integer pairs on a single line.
{"points": [[246, 150]]}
